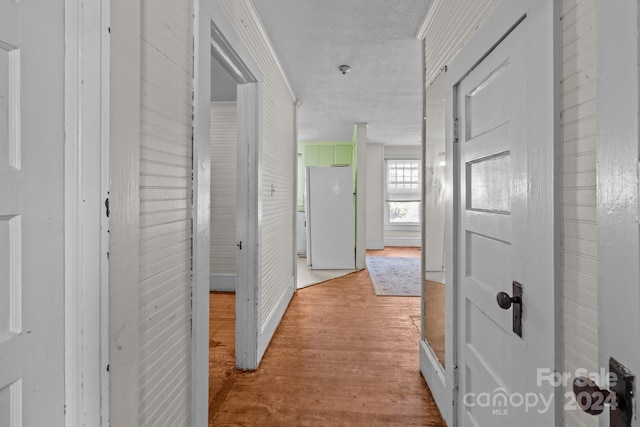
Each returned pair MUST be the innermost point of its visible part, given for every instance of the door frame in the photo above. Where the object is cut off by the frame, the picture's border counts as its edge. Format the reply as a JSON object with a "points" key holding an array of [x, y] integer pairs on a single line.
{"points": [[208, 16], [86, 188], [498, 24], [618, 187]]}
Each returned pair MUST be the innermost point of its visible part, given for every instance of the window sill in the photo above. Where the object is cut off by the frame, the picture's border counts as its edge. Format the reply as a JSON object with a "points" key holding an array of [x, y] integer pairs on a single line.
{"points": [[402, 227]]}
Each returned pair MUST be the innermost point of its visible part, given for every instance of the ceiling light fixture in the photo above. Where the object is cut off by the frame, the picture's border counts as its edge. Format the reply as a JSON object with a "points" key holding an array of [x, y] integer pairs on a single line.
{"points": [[344, 69]]}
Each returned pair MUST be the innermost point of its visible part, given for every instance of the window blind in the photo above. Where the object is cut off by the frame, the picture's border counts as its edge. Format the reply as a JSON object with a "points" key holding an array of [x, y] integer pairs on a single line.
{"points": [[403, 181]]}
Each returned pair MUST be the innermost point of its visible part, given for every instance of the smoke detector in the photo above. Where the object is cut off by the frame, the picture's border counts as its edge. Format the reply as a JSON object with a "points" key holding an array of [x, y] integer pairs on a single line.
{"points": [[344, 69]]}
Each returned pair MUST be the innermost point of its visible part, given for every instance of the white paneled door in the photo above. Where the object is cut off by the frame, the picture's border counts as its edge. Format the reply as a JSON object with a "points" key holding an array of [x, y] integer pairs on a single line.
{"points": [[618, 181], [31, 213], [505, 234]]}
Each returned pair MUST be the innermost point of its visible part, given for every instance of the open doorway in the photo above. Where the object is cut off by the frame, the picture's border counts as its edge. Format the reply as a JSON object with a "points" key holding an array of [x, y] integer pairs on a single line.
{"points": [[264, 243], [393, 219], [230, 113], [223, 179]]}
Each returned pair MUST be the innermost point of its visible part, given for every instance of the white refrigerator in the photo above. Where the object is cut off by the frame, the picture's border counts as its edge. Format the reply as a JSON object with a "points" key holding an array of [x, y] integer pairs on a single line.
{"points": [[330, 218]]}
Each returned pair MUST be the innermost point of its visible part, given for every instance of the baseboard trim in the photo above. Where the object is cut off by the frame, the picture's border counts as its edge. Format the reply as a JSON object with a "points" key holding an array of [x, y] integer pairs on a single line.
{"points": [[435, 276], [399, 241], [375, 245], [222, 282], [269, 328]]}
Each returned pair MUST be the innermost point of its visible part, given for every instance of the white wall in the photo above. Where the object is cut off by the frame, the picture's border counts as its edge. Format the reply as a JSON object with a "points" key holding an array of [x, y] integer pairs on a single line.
{"points": [[375, 198], [166, 107], [434, 183], [401, 235], [579, 132], [223, 196]]}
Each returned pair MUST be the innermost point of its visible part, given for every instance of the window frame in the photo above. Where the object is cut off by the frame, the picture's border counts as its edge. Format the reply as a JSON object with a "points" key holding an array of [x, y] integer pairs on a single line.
{"points": [[388, 225]]}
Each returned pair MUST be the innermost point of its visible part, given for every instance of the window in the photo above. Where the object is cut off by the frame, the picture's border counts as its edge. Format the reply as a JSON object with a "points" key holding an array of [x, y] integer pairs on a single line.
{"points": [[402, 206]]}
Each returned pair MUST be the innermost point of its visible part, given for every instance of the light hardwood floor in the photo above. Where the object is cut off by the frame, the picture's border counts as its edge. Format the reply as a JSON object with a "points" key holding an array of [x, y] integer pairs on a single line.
{"points": [[340, 357]]}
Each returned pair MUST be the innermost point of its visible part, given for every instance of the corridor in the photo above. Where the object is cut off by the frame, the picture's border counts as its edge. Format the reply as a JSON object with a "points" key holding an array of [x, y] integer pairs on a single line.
{"points": [[340, 357]]}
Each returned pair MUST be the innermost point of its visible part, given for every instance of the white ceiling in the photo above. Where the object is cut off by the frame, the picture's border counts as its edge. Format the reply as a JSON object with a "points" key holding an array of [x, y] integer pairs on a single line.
{"points": [[377, 39]]}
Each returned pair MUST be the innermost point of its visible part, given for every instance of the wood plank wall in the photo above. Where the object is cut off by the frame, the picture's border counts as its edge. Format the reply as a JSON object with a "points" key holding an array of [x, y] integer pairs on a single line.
{"points": [[579, 133], [165, 212], [223, 190], [456, 23]]}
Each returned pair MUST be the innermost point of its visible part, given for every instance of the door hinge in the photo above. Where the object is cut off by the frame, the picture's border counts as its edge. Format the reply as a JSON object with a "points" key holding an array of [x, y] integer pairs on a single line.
{"points": [[106, 205], [239, 245], [455, 377], [455, 129]]}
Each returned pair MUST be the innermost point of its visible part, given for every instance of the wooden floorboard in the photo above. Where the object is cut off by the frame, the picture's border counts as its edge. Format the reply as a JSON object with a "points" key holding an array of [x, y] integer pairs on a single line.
{"points": [[435, 318], [341, 357]]}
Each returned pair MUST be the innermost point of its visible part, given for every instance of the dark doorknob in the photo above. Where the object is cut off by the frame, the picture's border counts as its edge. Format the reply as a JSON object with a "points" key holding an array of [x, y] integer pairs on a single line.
{"points": [[589, 397], [505, 301], [593, 400]]}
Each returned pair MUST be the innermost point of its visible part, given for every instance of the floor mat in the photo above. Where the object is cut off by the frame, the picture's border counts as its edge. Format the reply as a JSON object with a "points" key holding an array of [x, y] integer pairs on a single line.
{"points": [[393, 276], [308, 277]]}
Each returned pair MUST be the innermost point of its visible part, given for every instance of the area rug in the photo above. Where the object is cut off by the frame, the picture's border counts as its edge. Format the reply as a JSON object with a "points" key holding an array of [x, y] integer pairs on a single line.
{"points": [[393, 276]]}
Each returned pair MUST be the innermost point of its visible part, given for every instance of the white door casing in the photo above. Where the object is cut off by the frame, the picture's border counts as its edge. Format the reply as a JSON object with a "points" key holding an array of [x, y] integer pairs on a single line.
{"points": [[502, 219], [124, 97], [86, 189], [246, 226], [201, 249], [31, 213], [211, 18]]}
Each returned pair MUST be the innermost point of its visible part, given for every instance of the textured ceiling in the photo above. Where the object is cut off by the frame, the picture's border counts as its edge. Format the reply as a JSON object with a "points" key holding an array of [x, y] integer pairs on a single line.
{"points": [[377, 39]]}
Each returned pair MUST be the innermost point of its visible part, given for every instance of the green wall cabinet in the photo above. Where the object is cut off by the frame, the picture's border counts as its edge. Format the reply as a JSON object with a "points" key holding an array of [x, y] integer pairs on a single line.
{"points": [[323, 154], [344, 155]]}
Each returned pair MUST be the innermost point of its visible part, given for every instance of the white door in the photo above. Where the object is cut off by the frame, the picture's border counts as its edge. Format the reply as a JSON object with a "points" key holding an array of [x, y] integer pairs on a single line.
{"points": [[618, 154], [31, 213], [505, 235]]}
